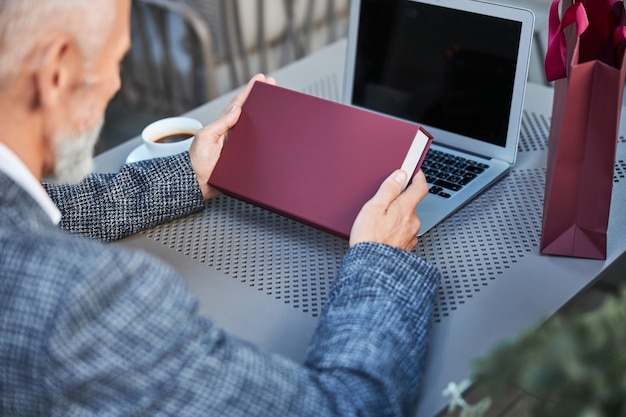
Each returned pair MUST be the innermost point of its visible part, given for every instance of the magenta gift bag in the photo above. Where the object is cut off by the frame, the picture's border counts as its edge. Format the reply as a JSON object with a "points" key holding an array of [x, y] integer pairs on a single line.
{"points": [[585, 58]]}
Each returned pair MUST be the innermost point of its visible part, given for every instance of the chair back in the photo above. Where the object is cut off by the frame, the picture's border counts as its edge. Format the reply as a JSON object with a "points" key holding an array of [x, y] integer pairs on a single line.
{"points": [[187, 52], [264, 35], [170, 67]]}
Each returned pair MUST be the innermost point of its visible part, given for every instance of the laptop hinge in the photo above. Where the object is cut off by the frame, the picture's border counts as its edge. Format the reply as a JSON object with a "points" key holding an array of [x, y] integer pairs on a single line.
{"points": [[487, 158]]}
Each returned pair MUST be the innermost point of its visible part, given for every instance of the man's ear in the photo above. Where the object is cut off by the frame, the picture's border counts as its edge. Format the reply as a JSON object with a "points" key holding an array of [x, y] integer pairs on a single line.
{"points": [[58, 71]]}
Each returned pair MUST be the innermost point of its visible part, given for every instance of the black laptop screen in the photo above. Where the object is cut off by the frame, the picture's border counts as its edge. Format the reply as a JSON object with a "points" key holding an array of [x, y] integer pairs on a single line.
{"points": [[445, 68]]}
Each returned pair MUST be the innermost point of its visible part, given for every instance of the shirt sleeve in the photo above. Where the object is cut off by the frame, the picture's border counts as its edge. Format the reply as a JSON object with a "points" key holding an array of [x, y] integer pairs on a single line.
{"points": [[128, 342], [143, 194]]}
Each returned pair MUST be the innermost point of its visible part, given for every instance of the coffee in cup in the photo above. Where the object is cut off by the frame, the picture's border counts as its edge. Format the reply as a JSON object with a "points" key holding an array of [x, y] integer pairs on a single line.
{"points": [[175, 137], [170, 136]]}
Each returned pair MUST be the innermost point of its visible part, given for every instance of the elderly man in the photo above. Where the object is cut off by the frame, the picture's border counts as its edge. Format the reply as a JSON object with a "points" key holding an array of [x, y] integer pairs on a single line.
{"points": [[88, 328]]}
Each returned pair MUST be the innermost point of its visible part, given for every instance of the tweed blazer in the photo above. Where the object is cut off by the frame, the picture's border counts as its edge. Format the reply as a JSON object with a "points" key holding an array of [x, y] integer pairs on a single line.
{"points": [[89, 328]]}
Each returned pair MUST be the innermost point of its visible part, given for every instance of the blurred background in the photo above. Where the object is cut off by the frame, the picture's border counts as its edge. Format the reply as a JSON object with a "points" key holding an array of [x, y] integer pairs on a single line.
{"points": [[187, 52]]}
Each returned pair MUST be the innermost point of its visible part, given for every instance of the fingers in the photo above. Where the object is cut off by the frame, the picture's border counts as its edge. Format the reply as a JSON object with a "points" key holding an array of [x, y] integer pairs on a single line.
{"points": [[390, 217], [409, 200], [390, 188], [206, 148], [226, 121], [243, 94], [416, 191]]}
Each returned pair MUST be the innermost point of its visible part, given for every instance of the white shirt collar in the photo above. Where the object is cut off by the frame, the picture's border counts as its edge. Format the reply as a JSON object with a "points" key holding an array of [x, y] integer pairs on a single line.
{"points": [[15, 169]]}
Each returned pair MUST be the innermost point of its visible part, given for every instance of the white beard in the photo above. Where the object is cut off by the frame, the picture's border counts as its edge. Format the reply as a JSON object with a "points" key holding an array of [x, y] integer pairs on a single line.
{"points": [[74, 155]]}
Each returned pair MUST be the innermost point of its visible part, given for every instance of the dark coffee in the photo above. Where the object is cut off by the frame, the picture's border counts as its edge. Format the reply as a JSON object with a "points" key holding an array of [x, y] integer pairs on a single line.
{"points": [[174, 137]]}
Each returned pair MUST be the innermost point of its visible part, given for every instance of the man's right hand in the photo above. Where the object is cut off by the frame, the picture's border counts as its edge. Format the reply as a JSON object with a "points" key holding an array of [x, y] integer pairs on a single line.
{"points": [[207, 146], [389, 217]]}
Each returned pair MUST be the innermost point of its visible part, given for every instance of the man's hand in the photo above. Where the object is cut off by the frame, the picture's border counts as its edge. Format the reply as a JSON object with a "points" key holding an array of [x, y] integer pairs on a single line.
{"points": [[209, 141], [389, 217]]}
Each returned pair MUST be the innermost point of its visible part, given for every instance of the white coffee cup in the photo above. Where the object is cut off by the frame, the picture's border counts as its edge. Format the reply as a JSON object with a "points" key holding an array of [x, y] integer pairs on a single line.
{"points": [[170, 136]]}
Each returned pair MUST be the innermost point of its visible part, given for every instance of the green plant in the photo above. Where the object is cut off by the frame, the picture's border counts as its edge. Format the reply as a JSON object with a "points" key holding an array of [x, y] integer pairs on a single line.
{"points": [[575, 365]]}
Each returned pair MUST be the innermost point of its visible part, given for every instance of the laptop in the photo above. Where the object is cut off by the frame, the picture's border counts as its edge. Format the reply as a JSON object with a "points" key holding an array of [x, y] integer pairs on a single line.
{"points": [[456, 67]]}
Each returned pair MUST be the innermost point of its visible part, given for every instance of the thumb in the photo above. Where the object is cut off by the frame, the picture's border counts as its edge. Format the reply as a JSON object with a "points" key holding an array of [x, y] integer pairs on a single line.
{"points": [[391, 188], [218, 130], [230, 118]]}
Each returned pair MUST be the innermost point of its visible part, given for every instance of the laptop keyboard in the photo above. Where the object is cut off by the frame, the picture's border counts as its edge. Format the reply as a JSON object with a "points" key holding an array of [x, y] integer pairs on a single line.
{"points": [[446, 174]]}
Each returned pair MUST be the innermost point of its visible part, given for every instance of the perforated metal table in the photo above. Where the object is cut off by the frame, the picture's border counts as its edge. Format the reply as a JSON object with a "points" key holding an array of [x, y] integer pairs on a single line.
{"points": [[265, 278]]}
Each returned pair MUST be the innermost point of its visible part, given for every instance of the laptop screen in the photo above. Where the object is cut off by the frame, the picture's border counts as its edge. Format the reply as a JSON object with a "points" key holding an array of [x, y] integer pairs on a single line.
{"points": [[442, 67]]}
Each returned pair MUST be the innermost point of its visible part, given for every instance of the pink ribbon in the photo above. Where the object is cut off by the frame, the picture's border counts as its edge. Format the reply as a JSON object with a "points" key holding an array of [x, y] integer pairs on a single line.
{"points": [[556, 55]]}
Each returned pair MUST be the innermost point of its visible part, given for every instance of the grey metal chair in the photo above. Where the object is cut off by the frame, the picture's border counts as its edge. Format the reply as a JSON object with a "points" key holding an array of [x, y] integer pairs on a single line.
{"points": [[254, 46], [171, 65], [187, 52]]}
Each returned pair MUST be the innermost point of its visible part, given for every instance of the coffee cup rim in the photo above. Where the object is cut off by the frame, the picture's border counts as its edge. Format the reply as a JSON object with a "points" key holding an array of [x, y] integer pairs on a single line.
{"points": [[168, 126]]}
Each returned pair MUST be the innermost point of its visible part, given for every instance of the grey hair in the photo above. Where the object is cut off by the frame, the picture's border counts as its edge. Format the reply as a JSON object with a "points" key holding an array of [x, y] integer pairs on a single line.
{"points": [[24, 22]]}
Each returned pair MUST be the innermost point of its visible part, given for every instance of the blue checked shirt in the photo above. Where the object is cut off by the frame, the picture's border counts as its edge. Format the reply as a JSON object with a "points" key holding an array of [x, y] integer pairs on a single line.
{"points": [[92, 329]]}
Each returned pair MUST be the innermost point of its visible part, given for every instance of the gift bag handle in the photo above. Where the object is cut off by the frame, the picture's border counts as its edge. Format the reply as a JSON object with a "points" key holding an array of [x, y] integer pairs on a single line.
{"points": [[556, 55], [616, 11], [619, 36]]}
